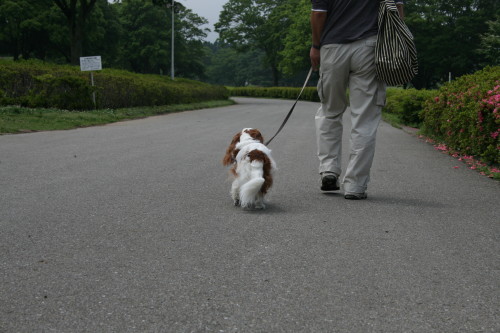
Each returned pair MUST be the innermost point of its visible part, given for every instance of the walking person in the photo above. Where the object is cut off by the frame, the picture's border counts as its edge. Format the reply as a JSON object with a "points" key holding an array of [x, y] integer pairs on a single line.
{"points": [[344, 35]]}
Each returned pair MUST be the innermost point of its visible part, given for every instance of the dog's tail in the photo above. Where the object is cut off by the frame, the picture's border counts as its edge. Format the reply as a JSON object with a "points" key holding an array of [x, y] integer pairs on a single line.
{"points": [[253, 188]]}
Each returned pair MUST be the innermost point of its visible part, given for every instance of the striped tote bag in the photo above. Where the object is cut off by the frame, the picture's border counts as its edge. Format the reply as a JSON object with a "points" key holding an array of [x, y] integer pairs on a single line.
{"points": [[395, 53]]}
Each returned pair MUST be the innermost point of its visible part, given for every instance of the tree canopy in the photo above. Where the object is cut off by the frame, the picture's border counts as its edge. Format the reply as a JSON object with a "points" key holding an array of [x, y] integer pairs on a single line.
{"points": [[261, 42]]}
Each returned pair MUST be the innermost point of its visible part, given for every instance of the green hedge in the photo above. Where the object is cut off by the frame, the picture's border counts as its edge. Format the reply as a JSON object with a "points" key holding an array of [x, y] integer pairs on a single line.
{"points": [[407, 104], [465, 115], [309, 94], [36, 84]]}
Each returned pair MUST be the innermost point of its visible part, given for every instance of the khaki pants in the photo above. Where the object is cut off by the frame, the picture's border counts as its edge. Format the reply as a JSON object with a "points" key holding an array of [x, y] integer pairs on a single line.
{"points": [[349, 66]]}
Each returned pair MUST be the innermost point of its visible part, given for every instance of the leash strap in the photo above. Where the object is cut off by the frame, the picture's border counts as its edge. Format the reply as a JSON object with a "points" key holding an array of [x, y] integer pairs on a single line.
{"points": [[293, 107]]}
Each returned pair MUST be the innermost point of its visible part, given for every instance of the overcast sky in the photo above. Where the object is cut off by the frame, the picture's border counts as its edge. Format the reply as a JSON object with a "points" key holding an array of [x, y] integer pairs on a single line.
{"points": [[208, 9]]}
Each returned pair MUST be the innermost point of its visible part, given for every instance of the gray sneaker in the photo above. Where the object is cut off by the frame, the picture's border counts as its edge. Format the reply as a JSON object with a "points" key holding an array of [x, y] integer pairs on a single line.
{"points": [[329, 182], [355, 196]]}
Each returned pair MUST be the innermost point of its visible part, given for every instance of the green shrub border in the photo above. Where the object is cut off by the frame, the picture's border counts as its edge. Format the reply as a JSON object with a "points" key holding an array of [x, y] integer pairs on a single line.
{"points": [[37, 84], [465, 115]]}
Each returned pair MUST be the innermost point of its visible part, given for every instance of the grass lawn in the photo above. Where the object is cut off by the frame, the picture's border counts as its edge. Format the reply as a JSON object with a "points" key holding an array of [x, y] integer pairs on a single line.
{"points": [[16, 119]]}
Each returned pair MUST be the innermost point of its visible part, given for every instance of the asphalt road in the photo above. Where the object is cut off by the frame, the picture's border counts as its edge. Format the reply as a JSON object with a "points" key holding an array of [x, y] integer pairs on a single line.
{"points": [[129, 227]]}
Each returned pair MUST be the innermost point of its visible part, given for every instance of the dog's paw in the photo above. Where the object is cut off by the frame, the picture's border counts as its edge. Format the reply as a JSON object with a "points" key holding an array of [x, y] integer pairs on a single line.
{"points": [[260, 206], [237, 203]]}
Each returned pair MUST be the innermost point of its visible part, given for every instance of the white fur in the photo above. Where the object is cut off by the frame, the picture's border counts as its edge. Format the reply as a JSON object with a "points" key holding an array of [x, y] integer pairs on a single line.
{"points": [[245, 189]]}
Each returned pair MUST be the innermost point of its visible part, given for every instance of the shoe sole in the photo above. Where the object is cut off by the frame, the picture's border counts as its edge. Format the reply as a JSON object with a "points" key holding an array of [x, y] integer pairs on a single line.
{"points": [[356, 196]]}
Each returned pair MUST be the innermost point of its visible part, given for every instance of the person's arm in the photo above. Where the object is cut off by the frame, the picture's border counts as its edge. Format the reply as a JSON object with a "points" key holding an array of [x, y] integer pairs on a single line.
{"points": [[399, 5], [318, 19]]}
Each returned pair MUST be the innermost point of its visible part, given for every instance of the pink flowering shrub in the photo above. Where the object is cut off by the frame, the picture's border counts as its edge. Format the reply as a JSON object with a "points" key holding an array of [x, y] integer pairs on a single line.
{"points": [[465, 115]]}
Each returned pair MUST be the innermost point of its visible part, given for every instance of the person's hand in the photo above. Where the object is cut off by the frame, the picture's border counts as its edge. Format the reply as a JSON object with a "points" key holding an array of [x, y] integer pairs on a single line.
{"points": [[314, 54]]}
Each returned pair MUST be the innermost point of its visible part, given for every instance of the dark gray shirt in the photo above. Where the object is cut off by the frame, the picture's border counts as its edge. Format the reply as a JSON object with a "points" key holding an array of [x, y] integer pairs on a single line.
{"points": [[348, 20]]}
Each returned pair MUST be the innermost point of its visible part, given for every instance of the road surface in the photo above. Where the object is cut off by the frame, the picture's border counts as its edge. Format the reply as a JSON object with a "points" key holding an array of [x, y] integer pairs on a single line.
{"points": [[129, 227]]}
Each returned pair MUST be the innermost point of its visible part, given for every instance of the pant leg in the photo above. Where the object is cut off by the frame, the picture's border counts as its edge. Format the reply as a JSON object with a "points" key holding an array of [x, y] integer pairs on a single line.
{"points": [[332, 86], [367, 97]]}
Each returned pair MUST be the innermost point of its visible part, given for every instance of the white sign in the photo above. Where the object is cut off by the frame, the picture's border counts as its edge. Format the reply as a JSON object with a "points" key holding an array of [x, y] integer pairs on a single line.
{"points": [[90, 63]]}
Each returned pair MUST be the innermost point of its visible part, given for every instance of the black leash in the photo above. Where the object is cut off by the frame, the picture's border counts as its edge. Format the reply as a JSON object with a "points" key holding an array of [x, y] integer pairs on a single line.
{"points": [[293, 107]]}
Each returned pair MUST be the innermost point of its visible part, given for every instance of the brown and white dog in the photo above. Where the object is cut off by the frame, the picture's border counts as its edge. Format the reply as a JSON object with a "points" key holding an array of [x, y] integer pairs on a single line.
{"points": [[252, 167]]}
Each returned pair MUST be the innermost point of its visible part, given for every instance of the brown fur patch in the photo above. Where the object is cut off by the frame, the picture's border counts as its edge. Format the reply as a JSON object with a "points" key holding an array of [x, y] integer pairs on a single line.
{"points": [[255, 134], [230, 155], [233, 170], [257, 155]]}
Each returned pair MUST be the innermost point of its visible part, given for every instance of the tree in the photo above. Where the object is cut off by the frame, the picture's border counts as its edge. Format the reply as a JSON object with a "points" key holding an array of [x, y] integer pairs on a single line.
{"points": [[189, 44], [227, 66], [104, 34], [447, 36], [450, 37], [297, 41], [490, 43], [77, 12], [146, 41], [255, 24], [22, 32]]}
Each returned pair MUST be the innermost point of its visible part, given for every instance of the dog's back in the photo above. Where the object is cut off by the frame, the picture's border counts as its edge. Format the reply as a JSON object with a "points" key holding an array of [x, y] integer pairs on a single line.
{"points": [[252, 166], [255, 178]]}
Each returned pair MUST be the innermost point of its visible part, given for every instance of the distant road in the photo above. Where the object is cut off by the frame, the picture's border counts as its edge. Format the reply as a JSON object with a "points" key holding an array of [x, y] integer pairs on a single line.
{"points": [[129, 227]]}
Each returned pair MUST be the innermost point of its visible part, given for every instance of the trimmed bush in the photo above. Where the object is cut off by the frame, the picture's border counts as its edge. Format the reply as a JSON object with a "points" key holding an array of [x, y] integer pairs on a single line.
{"points": [[407, 104], [65, 92], [465, 115], [37, 84], [309, 94]]}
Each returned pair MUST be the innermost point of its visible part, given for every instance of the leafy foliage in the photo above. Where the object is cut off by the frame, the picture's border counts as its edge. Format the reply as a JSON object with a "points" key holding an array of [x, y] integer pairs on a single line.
{"points": [[77, 13], [407, 104], [255, 24], [34, 84], [490, 43], [465, 115], [457, 37], [229, 67], [272, 37], [297, 41], [309, 94], [448, 36], [130, 34], [23, 30]]}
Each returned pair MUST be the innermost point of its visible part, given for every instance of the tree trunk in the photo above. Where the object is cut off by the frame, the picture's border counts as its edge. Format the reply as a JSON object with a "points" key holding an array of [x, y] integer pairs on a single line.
{"points": [[76, 17], [77, 42], [276, 75]]}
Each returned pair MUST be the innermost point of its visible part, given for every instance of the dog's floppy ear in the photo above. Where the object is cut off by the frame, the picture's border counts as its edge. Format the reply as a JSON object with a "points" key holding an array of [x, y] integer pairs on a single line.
{"points": [[255, 134], [230, 152]]}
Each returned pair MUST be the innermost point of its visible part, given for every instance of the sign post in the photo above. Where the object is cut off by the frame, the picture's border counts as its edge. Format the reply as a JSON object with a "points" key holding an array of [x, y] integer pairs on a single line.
{"points": [[90, 64]]}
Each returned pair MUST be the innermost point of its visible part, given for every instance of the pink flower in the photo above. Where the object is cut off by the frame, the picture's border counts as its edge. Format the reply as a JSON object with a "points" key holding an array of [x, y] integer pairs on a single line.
{"points": [[441, 147], [456, 167], [436, 99], [494, 135]]}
